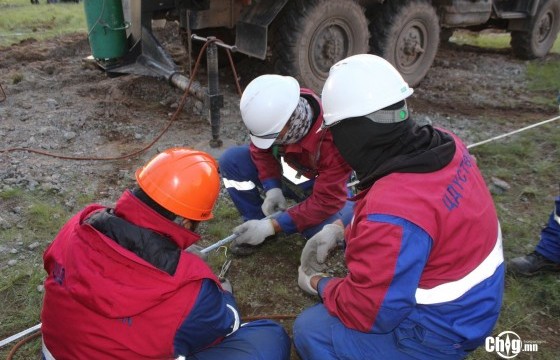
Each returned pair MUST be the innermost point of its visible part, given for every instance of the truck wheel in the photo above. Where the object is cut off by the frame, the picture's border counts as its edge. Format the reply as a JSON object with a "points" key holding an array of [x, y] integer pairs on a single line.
{"points": [[311, 35], [542, 32], [405, 33]]}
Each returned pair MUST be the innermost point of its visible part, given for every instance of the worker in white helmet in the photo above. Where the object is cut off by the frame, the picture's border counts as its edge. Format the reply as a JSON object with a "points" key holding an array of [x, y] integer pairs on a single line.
{"points": [[290, 156], [423, 250]]}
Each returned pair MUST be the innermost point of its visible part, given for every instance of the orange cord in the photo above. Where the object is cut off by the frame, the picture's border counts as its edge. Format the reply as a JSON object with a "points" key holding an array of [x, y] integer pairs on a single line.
{"points": [[21, 343], [173, 118]]}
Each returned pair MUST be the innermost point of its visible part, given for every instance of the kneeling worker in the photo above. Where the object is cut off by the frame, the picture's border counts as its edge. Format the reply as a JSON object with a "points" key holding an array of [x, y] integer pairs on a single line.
{"points": [[120, 284]]}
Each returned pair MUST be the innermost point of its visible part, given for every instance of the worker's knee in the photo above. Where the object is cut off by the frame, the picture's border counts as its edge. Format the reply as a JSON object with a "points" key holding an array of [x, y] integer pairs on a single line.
{"points": [[234, 158], [270, 336]]}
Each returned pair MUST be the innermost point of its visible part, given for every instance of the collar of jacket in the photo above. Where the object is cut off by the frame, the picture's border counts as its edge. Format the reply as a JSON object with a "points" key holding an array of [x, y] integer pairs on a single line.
{"points": [[135, 211]]}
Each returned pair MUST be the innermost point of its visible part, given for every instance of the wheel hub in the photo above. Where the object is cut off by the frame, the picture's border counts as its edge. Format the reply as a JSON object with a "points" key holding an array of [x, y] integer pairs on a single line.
{"points": [[410, 47], [544, 27], [329, 44]]}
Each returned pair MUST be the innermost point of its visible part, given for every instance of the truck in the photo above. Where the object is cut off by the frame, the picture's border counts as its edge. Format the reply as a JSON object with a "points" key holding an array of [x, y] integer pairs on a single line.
{"points": [[303, 38]]}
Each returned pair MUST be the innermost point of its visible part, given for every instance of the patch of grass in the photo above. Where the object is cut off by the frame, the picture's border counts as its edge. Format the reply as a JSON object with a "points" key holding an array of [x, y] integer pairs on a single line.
{"points": [[486, 39], [17, 78], [530, 307], [544, 76], [225, 219], [22, 20], [40, 216], [491, 39], [10, 194]]}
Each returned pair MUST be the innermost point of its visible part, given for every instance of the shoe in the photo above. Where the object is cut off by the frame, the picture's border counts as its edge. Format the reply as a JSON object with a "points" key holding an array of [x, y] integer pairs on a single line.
{"points": [[532, 264], [242, 249]]}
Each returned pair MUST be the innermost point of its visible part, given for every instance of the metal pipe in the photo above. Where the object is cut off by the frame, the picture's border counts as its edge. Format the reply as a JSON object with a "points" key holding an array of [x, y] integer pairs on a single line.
{"points": [[20, 335], [215, 100], [182, 82]]}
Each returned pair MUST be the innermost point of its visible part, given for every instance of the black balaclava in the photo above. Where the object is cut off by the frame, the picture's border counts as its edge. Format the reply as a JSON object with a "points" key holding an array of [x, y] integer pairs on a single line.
{"points": [[374, 150]]}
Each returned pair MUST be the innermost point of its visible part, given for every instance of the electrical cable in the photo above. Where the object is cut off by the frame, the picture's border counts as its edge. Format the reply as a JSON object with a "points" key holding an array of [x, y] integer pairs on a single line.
{"points": [[21, 343], [156, 139], [512, 132]]}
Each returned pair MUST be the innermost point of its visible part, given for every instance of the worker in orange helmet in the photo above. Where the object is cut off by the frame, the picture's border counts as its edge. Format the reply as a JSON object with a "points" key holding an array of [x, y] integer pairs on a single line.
{"points": [[121, 286]]}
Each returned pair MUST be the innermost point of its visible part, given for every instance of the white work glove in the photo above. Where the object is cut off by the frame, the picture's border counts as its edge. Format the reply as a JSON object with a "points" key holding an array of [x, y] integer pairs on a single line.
{"points": [[274, 201], [196, 250], [253, 232], [304, 280], [317, 248]]}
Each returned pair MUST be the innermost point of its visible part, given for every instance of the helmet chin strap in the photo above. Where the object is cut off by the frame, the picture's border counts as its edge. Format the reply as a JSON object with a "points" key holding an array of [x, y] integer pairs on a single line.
{"points": [[389, 116]]}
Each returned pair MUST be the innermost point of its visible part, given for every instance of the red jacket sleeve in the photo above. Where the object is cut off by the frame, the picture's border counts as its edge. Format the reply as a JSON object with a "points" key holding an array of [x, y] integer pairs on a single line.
{"points": [[330, 190]]}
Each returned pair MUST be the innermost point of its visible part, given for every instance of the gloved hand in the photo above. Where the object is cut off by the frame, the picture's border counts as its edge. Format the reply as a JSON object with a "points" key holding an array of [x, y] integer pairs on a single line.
{"points": [[226, 285], [253, 232], [304, 280], [196, 250], [317, 248], [273, 201]]}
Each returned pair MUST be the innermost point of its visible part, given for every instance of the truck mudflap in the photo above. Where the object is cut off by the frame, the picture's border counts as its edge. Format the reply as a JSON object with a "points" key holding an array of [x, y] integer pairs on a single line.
{"points": [[252, 27]]}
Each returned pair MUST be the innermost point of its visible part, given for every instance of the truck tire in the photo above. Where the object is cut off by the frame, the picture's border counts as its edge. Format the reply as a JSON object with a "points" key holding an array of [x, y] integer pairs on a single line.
{"points": [[311, 35], [542, 32], [405, 33]]}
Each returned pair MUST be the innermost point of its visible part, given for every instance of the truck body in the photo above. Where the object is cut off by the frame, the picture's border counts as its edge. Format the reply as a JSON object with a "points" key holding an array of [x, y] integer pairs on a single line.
{"points": [[303, 38]]}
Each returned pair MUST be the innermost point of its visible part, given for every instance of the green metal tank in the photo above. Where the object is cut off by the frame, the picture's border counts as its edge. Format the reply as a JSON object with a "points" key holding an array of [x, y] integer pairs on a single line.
{"points": [[106, 29]]}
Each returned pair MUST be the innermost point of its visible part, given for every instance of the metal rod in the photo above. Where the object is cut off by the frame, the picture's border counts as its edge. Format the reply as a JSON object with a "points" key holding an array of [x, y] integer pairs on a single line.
{"points": [[219, 43], [20, 335], [215, 99], [219, 243]]}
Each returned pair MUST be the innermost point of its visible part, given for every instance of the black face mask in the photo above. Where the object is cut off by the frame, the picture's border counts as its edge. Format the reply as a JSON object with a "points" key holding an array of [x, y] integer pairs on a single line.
{"points": [[375, 150]]}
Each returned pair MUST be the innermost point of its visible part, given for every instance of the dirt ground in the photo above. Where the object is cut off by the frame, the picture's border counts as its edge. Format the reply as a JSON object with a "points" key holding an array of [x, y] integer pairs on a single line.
{"points": [[59, 104]]}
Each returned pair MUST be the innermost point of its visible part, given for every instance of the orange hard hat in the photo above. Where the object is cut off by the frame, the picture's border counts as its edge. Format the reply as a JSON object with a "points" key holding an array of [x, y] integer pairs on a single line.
{"points": [[183, 181]]}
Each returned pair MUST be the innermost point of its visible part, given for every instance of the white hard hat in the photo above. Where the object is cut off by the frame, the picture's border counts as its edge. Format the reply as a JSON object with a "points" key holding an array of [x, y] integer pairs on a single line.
{"points": [[359, 85], [266, 106]]}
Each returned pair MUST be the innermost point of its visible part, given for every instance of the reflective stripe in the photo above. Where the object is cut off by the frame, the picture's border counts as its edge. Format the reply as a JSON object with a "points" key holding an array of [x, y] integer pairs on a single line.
{"points": [[237, 320], [291, 174], [46, 353], [239, 185], [455, 289], [556, 217]]}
